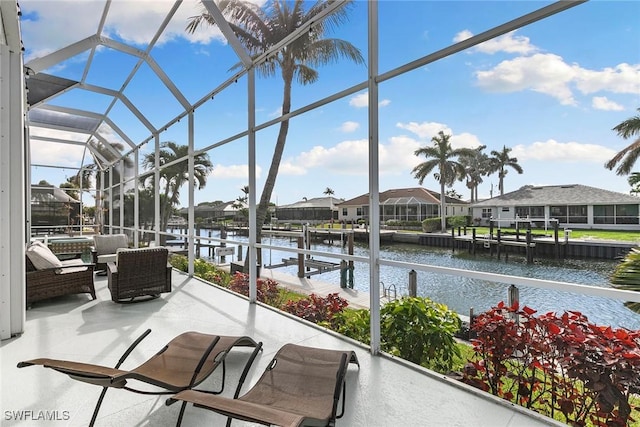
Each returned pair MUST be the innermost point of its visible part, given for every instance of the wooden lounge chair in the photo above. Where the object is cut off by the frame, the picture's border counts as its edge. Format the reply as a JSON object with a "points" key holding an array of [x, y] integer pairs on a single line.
{"points": [[300, 386], [186, 361]]}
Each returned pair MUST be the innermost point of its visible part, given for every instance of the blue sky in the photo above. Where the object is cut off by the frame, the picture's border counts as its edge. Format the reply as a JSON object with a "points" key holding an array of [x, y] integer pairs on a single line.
{"points": [[551, 91]]}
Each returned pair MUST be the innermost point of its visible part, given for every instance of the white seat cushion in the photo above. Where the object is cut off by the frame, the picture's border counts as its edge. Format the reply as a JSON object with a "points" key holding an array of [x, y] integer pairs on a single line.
{"points": [[41, 256], [110, 243]]}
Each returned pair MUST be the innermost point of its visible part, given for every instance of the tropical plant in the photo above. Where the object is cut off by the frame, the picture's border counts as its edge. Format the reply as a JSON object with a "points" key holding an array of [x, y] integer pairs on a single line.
{"points": [[443, 158], [476, 166], [634, 182], [260, 29], [500, 160], [627, 156], [174, 176], [104, 155], [561, 365], [329, 192], [453, 194], [627, 276], [417, 329]]}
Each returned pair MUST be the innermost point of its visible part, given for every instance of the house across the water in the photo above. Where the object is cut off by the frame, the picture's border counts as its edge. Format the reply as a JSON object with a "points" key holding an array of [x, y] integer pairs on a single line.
{"points": [[573, 206], [402, 204]]}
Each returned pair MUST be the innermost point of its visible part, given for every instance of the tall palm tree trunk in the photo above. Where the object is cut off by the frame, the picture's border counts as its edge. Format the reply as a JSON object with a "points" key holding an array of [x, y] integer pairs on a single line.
{"points": [[263, 206]]}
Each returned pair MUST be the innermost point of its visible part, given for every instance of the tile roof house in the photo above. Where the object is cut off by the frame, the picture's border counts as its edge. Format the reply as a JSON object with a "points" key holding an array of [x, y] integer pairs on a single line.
{"points": [[574, 205], [402, 204]]}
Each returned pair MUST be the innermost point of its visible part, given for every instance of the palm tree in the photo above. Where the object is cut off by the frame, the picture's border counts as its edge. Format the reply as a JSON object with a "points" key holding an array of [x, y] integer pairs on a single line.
{"points": [[259, 29], [175, 176], [476, 166], [627, 276], [634, 182], [500, 161], [329, 192], [91, 173], [628, 156], [443, 157]]}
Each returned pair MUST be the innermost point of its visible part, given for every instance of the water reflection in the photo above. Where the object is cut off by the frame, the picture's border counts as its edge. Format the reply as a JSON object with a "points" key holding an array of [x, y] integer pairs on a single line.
{"points": [[461, 293]]}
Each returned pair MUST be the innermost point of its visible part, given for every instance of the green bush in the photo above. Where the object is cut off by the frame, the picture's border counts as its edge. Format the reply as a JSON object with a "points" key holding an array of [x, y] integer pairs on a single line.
{"points": [[430, 225], [458, 221], [414, 328], [202, 269]]}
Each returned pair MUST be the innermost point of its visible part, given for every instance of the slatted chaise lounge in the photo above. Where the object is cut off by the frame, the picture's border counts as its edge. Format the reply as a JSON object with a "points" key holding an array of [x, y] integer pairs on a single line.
{"points": [[300, 386], [185, 362]]}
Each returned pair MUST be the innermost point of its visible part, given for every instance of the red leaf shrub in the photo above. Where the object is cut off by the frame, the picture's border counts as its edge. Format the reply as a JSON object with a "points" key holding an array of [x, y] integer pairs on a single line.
{"points": [[557, 364], [315, 308], [267, 289]]}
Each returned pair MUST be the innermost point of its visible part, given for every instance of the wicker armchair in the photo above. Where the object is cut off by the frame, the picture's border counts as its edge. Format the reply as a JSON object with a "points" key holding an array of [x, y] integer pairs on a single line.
{"points": [[105, 248], [139, 272], [54, 282]]}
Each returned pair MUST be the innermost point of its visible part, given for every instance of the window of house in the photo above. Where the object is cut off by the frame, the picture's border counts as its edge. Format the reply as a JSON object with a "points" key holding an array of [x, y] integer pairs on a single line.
{"points": [[358, 211], [577, 214], [486, 213], [344, 211], [603, 214], [627, 214]]}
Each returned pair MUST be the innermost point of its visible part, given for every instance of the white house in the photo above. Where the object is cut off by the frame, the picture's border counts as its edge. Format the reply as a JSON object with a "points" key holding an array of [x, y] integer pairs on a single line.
{"points": [[574, 206], [402, 204]]}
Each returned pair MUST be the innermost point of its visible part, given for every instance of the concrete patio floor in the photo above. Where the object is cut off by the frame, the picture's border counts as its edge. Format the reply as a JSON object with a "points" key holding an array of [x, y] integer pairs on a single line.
{"points": [[383, 392]]}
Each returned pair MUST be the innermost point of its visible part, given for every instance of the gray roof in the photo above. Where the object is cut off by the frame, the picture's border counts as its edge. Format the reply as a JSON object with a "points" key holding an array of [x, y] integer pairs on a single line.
{"points": [[573, 194], [317, 202]]}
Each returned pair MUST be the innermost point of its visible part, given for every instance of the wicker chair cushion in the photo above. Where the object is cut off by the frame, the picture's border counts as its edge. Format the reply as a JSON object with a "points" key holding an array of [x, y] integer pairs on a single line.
{"points": [[70, 263], [41, 256], [109, 243]]}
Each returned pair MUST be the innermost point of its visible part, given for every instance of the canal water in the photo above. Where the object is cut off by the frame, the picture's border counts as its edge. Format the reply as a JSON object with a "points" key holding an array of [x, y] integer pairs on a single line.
{"points": [[460, 293]]}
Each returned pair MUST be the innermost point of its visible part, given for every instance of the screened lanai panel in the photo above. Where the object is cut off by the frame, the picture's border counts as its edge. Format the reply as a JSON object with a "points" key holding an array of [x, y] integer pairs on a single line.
{"points": [[196, 63], [318, 141], [226, 115], [152, 97], [134, 127], [48, 118], [42, 86], [137, 35], [333, 76], [102, 72], [429, 26], [82, 99], [230, 174]]}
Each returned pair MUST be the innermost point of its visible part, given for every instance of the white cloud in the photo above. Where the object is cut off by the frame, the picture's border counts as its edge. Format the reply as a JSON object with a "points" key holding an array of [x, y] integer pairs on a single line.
{"points": [[552, 150], [49, 153], [545, 73], [623, 78], [551, 75], [509, 43], [233, 171], [427, 130], [602, 103], [362, 100], [134, 22], [349, 126]]}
